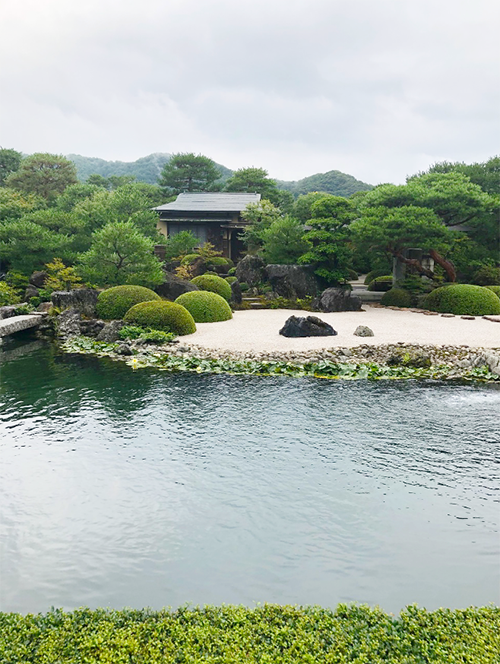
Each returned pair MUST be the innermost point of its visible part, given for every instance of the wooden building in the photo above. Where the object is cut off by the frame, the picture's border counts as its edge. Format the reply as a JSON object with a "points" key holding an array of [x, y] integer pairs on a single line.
{"points": [[211, 217]]}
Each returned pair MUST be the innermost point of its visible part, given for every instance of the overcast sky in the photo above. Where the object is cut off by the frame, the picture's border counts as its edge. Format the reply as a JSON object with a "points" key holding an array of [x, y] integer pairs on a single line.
{"points": [[376, 88]]}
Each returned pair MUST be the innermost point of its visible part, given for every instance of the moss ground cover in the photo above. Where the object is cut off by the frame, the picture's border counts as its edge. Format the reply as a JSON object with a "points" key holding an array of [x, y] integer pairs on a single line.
{"points": [[268, 634], [115, 302]]}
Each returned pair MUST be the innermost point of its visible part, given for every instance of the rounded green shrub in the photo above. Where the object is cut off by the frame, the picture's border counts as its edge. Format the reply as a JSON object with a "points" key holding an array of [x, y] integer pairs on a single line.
{"points": [[115, 302], [396, 297], [163, 315], [244, 286], [219, 260], [231, 280], [495, 289], [205, 307], [353, 275], [210, 273], [487, 275], [213, 284], [373, 275], [383, 283], [232, 271], [462, 300], [189, 258]]}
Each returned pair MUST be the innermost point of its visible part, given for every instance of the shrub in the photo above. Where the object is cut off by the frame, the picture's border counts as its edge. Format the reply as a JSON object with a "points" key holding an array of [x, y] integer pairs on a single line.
{"points": [[396, 297], [487, 275], [162, 315], [373, 275], [8, 294], [495, 289], [463, 299], [115, 302], [231, 280], [244, 286], [189, 258], [213, 284], [383, 283], [353, 275], [205, 307], [210, 273], [232, 271], [219, 260]]}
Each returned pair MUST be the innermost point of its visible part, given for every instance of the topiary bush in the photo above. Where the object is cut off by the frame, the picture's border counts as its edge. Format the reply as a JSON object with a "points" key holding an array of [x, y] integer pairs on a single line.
{"points": [[373, 275], [115, 302], [189, 258], [162, 315], [205, 307], [353, 275], [213, 284], [487, 275], [231, 280], [396, 297], [463, 300], [219, 260], [495, 289], [383, 283]]}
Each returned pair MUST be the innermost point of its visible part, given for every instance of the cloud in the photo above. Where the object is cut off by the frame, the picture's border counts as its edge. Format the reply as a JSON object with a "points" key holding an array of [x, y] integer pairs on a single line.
{"points": [[379, 90]]}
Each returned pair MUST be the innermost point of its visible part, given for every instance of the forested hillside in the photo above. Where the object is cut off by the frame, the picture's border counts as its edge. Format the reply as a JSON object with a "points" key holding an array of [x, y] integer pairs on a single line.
{"points": [[147, 169]]}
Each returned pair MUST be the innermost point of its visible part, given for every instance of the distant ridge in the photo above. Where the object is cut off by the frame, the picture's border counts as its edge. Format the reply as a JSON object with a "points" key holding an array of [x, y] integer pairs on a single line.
{"points": [[148, 169]]}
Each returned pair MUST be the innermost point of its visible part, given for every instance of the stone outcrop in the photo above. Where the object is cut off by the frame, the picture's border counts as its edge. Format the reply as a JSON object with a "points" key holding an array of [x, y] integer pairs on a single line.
{"points": [[83, 300], [236, 294], [9, 310], [110, 331], [31, 291], [38, 279], [68, 323], [174, 286], [250, 270], [292, 281], [339, 299], [363, 331], [312, 326]]}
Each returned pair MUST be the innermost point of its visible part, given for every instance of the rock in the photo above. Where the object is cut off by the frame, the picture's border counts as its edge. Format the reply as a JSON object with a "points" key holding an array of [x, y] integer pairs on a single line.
{"points": [[173, 286], [84, 300], [38, 279], [91, 328], [68, 323], [110, 331], [292, 281], [339, 299], [124, 349], [312, 326], [44, 307], [8, 311], [363, 331], [31, 291], [236, 294], [250, 270]]}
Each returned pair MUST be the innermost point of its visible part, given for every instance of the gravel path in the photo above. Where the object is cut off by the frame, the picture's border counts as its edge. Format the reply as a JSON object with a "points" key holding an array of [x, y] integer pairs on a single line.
{"points": [[257, 331]]}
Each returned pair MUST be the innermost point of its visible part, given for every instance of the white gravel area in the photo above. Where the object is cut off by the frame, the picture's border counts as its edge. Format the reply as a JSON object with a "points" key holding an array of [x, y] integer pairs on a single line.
{"points": [[258, 330]]}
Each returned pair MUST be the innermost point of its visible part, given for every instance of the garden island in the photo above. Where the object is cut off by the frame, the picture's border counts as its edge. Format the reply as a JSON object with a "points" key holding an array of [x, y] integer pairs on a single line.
{"points": [[156, 453]]}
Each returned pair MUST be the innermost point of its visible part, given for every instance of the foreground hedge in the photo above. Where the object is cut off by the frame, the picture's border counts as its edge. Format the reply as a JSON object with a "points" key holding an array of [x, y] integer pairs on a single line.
{"points": [[463, 300], [162, 315], [268, 634], [115, 302], [205, 307]]}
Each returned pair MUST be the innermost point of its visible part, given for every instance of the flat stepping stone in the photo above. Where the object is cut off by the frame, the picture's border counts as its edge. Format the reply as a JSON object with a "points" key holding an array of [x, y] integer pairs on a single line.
{"points": [[447, 315], [493, 319], [468, 317]]}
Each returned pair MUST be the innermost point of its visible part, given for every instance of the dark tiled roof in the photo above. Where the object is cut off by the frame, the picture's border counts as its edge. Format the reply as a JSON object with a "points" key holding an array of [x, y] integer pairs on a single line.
{"points": [[210, 202]]}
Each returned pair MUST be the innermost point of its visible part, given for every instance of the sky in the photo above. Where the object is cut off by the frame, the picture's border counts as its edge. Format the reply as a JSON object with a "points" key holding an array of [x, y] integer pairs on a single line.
{"points": [[378, 89]]}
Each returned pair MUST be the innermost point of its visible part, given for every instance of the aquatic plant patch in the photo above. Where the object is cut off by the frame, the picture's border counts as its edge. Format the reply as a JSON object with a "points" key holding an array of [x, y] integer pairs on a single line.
{"points": [[268, 634]]}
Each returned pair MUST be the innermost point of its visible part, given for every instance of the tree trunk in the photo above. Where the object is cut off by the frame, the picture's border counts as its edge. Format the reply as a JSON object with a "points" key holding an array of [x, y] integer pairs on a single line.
{"points": [[416, 264], [447, 266]]}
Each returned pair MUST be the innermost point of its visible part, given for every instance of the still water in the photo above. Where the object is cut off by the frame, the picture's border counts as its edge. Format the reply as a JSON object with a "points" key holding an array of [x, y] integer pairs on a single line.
{"points": [[122, 488]]}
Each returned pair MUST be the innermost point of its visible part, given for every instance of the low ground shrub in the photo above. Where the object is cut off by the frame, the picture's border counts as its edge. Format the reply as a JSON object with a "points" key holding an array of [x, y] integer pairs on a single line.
{"points": [[115, 302], [396, 297], [353, 275], [220, 260], [205, 307], [162, 315], [383, 283], [495, 289], [244, 286], [487, 275], [231, 280], [8, 294], [268, 633], [214, 284], [372, 275], [463, 300], [132, 332], [189, 258]]}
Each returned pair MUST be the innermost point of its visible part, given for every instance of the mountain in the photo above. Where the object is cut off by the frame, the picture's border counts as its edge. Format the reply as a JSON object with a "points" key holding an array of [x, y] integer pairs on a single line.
{"points": [[333, 182], [148, 169]]}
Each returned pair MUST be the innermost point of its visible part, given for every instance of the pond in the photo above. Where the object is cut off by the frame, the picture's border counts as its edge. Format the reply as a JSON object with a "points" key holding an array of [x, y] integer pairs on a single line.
{"points": [[141, 488]]}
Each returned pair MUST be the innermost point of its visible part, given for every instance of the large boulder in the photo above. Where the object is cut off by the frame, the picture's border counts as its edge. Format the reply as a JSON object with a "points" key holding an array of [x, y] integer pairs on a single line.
{"points": [[9, 310], [83, 300], [173, 286], [250, 270], [292, 281], [111, 331], [339, 299], [39, 278], [312, 326], [68, 323], [236, 294], [31, 291]]}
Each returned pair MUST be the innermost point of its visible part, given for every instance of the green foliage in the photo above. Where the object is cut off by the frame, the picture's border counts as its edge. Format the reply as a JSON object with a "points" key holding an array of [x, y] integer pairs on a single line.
{"points": [[216, 261], [17, 280], [283, 242], [244, 286], [259, 216], [163, 315], [485, 174], [254, 180], [230, 280], [495, 289], [114, 303], [13, 204], [189, 258], [10, 160], [74, 194], [8, 294], [205, 306], [396, 297], [180, 244], [120, 254], [383, 283], [487, 275], [213, 284], [146, 334], [332, 182], [303, 304], [463, 300], [43, 174], [61, 277], [302, 208], [188, 172], [373, 274], [26, 246], [353, 275]]}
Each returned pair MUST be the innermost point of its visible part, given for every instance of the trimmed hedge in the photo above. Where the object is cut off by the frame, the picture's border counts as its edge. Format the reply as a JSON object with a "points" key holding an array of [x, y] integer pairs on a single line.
{"points": [[487, 276], [269, 634], [231, 280], [396, 297], [115, 302], [205, 307], [462, 300], [213, 284], [383, 283], [495, 289], [189, 258], [164, 315], [373, 275]]}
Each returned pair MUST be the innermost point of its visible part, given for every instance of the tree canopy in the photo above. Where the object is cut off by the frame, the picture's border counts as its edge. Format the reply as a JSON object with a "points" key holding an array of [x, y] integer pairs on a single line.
{"points": [[43, 174], [10, 160], [188, 172]]}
